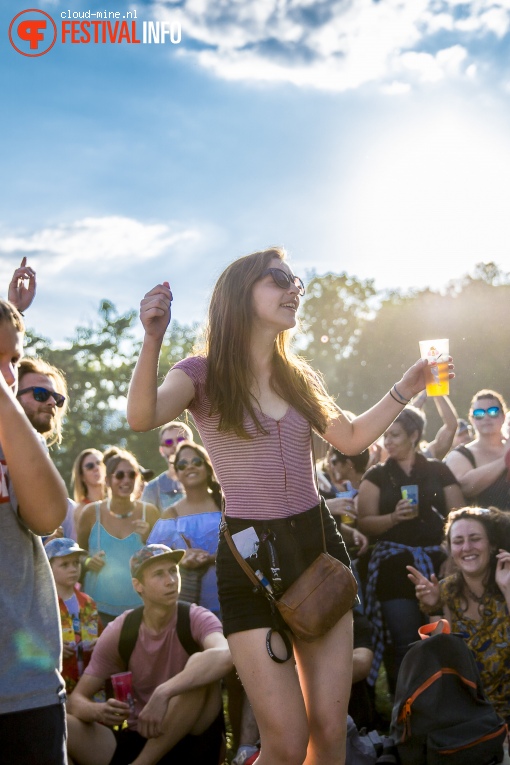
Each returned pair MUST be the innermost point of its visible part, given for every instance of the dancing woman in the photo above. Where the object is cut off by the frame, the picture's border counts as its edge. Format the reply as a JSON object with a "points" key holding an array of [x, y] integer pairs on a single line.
{"points": [[255, 404]]}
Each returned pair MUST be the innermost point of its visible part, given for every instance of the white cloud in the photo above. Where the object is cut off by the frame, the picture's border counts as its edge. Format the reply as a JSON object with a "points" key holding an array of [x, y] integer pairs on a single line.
{"points": [[99, 243], [335, 44]]}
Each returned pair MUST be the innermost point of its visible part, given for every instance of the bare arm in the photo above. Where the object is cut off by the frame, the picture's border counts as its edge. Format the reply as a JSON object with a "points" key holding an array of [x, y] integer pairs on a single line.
{"points": [[40, 491], [149, 406], [203, 668], [369, 519], [474, 480], [443, 441], [80, 704], [353, 437]]}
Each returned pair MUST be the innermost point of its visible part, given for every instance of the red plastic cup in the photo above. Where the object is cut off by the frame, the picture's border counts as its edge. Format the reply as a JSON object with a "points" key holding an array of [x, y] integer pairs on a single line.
{"points": [[122, 683]]}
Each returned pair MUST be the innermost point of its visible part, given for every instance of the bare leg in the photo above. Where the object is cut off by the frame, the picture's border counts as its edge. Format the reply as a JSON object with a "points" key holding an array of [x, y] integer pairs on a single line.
{"points": [[89, 743], [276, 698], [325, 673], [191, 712]]}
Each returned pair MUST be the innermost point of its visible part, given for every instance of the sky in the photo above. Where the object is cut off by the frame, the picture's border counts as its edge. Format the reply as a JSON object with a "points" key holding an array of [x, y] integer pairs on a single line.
{"points": [[366, 137]]}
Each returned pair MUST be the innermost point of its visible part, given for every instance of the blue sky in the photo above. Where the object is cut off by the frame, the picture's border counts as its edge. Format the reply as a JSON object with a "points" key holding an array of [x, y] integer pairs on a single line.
{"points": [[365, 136]]}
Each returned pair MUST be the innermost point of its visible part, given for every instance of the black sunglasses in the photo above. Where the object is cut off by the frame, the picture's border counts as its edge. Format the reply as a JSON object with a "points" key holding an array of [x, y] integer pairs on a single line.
{"points": [[284, 280], [92, 465], [492, 411], [172, 441], [43, 394], [119, 475], [183, 464]]}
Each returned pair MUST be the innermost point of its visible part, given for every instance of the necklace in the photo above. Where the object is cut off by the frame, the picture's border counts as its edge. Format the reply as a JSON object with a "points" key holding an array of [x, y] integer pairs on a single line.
{"points": [[117, 515], [476, 598]]}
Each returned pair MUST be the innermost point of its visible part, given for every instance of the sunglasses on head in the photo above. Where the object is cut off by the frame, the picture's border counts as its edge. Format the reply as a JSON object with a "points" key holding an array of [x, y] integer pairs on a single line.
{"points": [[195, 462], [492, 411], [284, 280], [131, 474], [43, 394], [92, 465], [172, 441]]}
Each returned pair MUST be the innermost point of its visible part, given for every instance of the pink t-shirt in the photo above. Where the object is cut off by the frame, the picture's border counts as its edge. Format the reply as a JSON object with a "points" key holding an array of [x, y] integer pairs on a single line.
{"points": [[155, 658], [266, 476]]}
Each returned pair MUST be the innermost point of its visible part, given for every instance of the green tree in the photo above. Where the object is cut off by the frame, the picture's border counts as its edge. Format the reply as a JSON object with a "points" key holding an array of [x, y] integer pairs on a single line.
{"points": [[335, 307], [98, 363]]}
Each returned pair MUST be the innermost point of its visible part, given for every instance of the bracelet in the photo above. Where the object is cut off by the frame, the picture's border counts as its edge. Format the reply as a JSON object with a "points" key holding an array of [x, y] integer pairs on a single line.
{"points": [[406, 400], [396, 399]]}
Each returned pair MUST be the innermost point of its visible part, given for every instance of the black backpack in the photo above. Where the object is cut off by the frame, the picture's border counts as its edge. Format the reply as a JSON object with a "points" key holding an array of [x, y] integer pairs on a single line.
{"points": [[441, 715], [131, 627]]}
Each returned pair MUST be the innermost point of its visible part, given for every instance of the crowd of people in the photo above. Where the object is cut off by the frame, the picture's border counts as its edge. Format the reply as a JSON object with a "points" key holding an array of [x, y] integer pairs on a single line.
{"points": [[134, 573]]}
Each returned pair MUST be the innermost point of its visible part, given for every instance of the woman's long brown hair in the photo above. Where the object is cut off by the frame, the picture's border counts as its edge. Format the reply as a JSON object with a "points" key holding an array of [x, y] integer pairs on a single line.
{"points": [[227, 343]]}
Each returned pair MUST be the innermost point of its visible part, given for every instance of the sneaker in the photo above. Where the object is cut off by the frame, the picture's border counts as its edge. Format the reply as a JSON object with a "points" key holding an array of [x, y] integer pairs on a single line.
{"points": [[246, 755]]}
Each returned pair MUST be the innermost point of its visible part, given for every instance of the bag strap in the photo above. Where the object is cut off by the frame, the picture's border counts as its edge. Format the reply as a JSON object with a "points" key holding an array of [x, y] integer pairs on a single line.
{"points": [[131, 628], [239, 558]]}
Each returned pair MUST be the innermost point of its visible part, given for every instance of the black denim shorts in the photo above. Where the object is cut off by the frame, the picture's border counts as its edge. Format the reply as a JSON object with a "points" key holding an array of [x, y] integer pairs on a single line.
{"points": [[297, 541]]}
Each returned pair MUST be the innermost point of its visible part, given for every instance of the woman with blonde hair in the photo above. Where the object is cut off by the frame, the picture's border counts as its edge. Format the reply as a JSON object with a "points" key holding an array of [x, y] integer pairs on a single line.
{"points": [[112, 530], [255, 404], [88, 479]]}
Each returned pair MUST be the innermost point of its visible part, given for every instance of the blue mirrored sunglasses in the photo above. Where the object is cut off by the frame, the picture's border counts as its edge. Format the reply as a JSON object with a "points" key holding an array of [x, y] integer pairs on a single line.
{"points": [[492, 411]]}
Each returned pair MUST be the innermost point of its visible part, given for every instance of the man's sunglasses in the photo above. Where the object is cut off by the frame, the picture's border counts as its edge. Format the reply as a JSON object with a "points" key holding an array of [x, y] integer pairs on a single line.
{"points": [[92, 465], [172, 441], [492, 411], [183, 464], [284, 280], [43, 394], [131, 474]]}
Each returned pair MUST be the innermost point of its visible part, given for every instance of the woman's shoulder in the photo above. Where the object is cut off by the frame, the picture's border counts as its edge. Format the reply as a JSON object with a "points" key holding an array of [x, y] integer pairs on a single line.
{"points": [[193, 366]]}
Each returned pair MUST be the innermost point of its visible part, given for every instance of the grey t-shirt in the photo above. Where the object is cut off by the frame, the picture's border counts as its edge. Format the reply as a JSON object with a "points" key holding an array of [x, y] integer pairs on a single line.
{"points": [[30, 632]]}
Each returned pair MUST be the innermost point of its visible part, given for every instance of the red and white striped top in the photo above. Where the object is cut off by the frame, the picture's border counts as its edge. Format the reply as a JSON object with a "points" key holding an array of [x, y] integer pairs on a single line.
{"points": [[266, 476]]}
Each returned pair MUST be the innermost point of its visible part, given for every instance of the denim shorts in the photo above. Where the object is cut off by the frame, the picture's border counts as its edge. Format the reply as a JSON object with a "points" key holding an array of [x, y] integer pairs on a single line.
{"points": [[297, 541]]}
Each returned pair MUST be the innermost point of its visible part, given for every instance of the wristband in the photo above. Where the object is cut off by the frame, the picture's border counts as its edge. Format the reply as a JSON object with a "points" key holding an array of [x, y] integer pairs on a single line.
{"points": [[406, 400], [396, 399]]}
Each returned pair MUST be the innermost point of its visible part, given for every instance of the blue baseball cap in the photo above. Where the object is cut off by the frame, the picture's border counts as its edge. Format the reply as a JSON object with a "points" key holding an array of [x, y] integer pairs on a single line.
{"points": [[58, 548]]}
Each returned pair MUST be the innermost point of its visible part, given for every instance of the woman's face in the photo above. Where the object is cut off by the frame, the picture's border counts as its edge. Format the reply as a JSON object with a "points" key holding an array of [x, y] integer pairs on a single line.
{"points": [[93, 470], [122, 480], [397, 443], [486, 425], [190, 468], [272, 305], [470, 548]]}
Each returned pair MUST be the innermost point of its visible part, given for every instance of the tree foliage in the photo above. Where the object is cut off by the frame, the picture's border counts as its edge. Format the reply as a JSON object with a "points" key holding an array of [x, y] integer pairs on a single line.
{"points": [[334, 310], [98, 362]]}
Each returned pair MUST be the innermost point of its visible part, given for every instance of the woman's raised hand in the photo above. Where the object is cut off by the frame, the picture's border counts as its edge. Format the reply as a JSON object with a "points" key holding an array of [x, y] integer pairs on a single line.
{"points": [[503, 572], [413, 381], [427, 590], [155, 310]]}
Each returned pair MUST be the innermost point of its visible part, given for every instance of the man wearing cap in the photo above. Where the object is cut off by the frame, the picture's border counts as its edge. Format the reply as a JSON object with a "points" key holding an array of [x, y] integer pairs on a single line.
{"points": [[78, 612], [177, 714], [165, 490]]}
